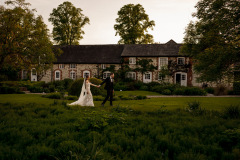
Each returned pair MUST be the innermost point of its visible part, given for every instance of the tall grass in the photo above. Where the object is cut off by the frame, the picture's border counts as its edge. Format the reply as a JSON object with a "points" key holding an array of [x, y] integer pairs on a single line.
{"points": [[57, 131]]}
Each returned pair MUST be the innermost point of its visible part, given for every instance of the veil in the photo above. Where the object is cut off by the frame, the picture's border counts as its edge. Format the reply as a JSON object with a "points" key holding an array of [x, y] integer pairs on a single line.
{"points": [[81, 98]]}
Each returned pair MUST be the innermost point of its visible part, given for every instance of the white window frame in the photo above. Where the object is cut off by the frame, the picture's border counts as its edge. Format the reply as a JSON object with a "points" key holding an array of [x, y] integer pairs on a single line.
{"points": [[131, 75], [161, 62], [103, 66], [57, 78], [181, 58], [132, 60], [72, 66], [73, 75], [86, 72], [24, 74], [106, 74], [61, 66], [160, 78]]}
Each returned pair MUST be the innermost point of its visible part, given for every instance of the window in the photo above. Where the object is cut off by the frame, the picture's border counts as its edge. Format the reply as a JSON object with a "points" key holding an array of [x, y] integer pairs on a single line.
{"points": [[132, 60], [161, 76], [34, 72], [183, 77], [57, 75], [24, 74], [73, 75], [163, 61], [72, 66], [106, 74], [61, 66], [147, 76], [181, 61], [103, 66], [131, 75], [86, 73]]}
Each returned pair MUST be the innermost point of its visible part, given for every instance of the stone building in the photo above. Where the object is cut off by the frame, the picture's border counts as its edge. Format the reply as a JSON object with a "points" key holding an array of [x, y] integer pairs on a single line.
{"points": [[80, 60]]}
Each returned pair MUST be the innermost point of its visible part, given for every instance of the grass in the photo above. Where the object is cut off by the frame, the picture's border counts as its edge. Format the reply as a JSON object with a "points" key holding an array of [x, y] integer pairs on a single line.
{"points": [[171, 103], [136, 93], [33, 127]]}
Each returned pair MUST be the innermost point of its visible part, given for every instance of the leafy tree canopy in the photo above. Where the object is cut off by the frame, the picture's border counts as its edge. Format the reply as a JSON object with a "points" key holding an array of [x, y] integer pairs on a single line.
{"points": [[213, 40], [133, 24], [68, 22], [24, 38]]}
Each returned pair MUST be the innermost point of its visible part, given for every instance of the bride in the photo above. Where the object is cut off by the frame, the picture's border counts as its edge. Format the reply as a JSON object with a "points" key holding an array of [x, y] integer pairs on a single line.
{"points": [[85, 98]]}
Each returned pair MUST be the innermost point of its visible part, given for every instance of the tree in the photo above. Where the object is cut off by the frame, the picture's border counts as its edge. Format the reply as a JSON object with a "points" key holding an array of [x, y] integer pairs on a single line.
{"points": [[213, 40], [24, 39], [144, 65], [133, 24], [68, 22]]}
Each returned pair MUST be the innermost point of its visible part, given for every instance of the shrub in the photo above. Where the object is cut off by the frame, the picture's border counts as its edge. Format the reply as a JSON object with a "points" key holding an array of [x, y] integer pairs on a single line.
{"points": [[209, 90], [194, 105], [232, 112], [189, 91], [236, 88], [71, 98], [166, 92], [140, 97], [9, 90], [220, 90], [118, 87], [143, 88], [53, 95], [178, 91], [138, 84], [76, 87]]}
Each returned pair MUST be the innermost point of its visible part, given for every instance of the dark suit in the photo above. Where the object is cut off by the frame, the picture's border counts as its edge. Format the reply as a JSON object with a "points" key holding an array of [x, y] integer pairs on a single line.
{"points": [[109, 88]]}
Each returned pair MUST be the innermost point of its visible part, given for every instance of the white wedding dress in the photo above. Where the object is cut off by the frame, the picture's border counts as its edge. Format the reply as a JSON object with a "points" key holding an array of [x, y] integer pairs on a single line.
{"points": [[85, 98]]}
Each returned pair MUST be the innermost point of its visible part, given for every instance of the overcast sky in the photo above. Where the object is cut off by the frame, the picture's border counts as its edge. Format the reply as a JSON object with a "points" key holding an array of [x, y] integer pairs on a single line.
{"points": [[171, 17]]}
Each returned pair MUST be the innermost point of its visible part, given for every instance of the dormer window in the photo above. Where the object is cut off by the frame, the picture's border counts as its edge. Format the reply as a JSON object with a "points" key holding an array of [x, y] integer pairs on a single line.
{"points": [[132, 60], [163, 61], [61, 66], [103, 66], [72, 66], [181, 61]]}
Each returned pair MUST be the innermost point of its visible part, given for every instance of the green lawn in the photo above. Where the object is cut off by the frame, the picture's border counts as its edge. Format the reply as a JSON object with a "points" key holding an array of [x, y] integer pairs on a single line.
{"points": [[136, 93], [170, 103]]}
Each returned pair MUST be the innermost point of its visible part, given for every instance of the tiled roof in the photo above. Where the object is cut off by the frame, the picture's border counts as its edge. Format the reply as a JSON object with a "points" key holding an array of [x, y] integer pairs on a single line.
{"points": [[111, 54], [169, 49], [91, 54]]}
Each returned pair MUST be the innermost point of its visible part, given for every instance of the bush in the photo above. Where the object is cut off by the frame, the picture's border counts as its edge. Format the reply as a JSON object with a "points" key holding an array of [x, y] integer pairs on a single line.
{"points": [[166, 92], [138, 84], [140, 97], [76, 87], [232, 112], [53, 95], [220, 90], [144, 88], [9, 90], [236, 88], [209, 90], [194, 105], [178, 91], [189, 91], [71, 98], [118, 87]]}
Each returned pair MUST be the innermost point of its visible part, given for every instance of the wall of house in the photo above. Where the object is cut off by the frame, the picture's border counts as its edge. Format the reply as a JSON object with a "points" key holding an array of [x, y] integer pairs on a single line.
{"points": [[94, 70]]}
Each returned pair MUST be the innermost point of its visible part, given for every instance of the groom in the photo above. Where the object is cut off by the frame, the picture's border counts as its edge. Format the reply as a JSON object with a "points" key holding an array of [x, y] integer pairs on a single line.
{"points": [[109, 87]]}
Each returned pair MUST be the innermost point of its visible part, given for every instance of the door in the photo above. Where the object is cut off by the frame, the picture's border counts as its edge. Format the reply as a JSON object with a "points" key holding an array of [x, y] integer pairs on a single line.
{"points": [[181, 78], [33, 75], [147, 77]]}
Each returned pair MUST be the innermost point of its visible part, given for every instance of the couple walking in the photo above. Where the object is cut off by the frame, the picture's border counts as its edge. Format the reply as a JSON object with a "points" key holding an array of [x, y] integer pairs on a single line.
{"points": [[86, 98]]}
